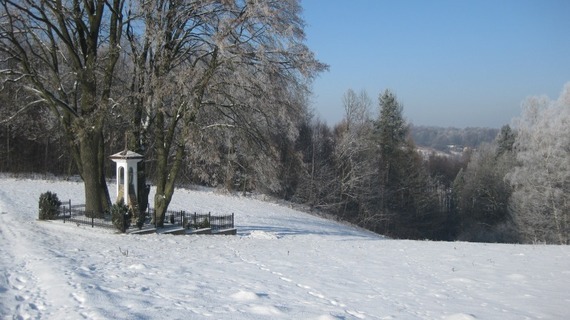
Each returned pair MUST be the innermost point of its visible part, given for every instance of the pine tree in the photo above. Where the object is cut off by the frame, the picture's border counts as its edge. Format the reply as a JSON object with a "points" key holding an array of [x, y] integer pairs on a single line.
{"points": [[391, 128], [404, 196], [505, 140]]}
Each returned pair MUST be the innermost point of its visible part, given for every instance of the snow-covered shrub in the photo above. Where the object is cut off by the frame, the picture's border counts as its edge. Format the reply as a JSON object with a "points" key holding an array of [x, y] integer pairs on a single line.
{"points": [[48, 206], [121, 216]]}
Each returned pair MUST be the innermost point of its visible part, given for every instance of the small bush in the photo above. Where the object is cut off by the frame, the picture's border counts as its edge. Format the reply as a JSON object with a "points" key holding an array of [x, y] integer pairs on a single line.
{"points": [[203, 224], [121, 216], [48, 206]]}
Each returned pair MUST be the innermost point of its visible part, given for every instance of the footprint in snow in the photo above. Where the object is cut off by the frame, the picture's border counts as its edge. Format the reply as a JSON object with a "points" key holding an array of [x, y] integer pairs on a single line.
{"points": [[460, 316], [18, 284], [21, 298], [356, 314], [34, 306], [78, 298]]}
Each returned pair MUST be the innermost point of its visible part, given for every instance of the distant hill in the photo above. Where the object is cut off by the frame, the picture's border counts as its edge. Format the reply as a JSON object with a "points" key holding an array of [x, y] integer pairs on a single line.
{"points": [[440, 138]]}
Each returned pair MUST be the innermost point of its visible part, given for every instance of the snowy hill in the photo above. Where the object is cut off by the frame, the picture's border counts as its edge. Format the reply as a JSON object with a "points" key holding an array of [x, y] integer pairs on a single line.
{"points": [[283, 264]]}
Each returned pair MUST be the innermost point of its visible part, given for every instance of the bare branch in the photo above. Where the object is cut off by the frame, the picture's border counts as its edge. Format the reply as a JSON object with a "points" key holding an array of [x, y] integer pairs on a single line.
{"points": [[22, 110]]}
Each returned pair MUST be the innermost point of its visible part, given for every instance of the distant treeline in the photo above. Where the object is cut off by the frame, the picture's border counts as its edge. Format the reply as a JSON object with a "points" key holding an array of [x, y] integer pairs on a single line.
{"points": [[440, 138], [512, 187]]}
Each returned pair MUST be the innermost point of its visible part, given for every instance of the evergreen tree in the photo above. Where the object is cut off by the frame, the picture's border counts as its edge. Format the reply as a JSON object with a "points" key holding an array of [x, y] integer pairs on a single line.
{"points": [[404, 187], [505, 140], [391, 128], [390, 131]]}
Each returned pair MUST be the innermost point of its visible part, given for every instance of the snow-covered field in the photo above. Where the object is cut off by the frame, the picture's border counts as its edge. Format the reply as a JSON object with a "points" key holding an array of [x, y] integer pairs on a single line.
{"points": [[283, 264]]}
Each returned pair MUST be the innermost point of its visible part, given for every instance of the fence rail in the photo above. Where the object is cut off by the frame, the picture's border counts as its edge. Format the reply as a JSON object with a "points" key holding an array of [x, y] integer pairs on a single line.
{"points": [[199, 220], [92, 221], [77, 214]]}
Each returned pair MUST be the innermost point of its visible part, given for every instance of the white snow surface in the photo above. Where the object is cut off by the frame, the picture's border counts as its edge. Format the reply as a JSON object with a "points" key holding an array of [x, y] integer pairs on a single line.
{"points": [[282, 264]]}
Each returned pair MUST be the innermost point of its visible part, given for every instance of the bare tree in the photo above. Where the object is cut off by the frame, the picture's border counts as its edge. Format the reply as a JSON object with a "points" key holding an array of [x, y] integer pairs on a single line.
{"points": [[354, 153], [356, 108], [64, 53]]}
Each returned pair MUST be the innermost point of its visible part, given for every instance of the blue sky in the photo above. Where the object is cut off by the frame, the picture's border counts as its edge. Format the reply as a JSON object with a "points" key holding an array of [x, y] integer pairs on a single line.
{"points": [[461, 63]]}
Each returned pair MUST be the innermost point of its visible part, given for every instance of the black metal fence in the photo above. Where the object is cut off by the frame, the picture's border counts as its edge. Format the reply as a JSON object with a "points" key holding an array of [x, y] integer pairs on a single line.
{"points": [[199, 220], [77, 214]]}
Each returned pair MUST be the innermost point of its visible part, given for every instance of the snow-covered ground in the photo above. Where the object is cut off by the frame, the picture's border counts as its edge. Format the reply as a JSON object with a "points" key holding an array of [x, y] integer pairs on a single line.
{"points": [[283, 264]]}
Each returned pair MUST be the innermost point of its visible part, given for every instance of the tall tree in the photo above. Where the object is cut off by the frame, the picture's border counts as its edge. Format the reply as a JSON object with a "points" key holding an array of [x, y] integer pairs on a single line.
{"points": [[405, 198], [390, 134], [65, 53], [354, 152], [206, 66], [541, 180]]}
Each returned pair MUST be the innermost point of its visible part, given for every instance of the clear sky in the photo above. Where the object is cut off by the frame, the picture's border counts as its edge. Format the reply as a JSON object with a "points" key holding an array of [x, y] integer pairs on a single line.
{"points": [[460, 63]]}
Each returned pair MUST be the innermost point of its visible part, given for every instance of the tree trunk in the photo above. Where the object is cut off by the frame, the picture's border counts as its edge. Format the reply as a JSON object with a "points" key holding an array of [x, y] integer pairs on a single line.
{"points": [[165, 183], [92, 165]]}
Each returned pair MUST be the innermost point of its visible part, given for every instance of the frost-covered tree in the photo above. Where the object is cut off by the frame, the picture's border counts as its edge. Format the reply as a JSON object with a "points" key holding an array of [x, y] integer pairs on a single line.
{"points": [[541, 181], [353, 156], [179, 70], [208, 67]]}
